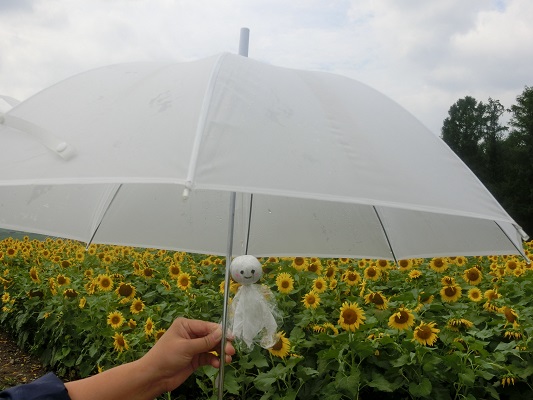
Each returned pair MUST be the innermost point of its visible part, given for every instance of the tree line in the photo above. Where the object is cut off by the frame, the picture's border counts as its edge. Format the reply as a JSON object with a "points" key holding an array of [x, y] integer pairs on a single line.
{"points": [[501, 155]]}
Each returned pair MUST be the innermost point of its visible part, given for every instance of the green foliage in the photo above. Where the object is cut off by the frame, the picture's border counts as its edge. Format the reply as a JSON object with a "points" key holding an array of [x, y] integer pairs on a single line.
{"points": [[499, 155], [55, 300]]}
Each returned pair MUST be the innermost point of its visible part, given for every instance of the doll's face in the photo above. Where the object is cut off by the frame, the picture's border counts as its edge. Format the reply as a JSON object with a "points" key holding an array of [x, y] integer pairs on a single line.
{"points": [[246, 270]]}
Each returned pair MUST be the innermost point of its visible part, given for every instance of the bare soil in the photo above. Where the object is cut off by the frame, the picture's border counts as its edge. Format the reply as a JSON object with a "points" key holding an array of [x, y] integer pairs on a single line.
{"points": [[16, 366]]}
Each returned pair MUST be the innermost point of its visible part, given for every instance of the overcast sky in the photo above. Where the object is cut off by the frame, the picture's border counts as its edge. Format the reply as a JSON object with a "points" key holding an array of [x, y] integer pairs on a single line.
{"points": [[424, 54]]}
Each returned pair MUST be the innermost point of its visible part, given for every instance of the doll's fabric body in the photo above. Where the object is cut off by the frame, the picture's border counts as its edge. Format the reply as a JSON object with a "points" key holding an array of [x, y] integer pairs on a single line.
{"points": [[252, 314]]}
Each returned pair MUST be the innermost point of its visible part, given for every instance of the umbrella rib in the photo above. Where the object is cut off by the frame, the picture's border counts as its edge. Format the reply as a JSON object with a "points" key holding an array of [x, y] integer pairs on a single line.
{"points": [[520, 251], [103, 216], [53, 143], [249, 223], [386, 234], [200, 128]]}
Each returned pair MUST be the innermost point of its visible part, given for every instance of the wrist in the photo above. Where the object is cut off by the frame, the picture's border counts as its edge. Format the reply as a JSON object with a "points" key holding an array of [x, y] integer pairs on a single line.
{"points": [[149, 377]]}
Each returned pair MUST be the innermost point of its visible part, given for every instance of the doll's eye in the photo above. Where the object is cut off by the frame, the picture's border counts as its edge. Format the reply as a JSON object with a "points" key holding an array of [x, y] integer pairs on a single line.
{"points": [[253, 271], [242, 272]]}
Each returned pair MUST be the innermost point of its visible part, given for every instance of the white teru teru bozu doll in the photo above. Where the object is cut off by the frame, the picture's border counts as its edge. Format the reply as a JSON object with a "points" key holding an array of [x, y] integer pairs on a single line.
{"points": [[253, 315]]}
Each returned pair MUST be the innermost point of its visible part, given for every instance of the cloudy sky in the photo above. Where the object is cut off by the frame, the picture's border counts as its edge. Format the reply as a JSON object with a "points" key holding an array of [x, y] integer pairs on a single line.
{"points": [[424, 54]]}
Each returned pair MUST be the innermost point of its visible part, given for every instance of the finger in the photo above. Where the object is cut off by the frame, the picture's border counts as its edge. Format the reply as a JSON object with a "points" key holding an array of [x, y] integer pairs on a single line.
{"points": [[205, 343], [229, 349], [197, 328]]}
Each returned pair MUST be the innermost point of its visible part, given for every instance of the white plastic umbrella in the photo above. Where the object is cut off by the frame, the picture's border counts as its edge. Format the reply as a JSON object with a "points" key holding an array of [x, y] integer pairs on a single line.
{"points": [[144, 154], [147, 154]]}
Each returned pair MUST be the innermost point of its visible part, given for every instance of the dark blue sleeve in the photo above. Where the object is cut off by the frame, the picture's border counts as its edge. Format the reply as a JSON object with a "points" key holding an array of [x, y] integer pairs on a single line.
{"points": [[47, 387]]}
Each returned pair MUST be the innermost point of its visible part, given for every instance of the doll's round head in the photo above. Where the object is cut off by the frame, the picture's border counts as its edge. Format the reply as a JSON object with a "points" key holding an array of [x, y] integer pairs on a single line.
{"points": [[246, 270]]}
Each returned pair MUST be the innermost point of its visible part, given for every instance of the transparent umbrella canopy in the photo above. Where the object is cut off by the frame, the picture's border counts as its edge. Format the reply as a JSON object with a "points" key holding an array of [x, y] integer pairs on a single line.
{"points": [[228, 155]]}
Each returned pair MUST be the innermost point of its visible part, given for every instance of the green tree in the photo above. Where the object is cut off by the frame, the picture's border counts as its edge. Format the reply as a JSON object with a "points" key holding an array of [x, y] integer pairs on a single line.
{"points": [[519, 157], [463, 131], [502, 161], [492, 147]]}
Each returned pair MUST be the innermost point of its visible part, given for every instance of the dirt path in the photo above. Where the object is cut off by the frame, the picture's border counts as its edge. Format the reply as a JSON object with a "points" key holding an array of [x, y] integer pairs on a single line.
{"points": [[16, 366]]}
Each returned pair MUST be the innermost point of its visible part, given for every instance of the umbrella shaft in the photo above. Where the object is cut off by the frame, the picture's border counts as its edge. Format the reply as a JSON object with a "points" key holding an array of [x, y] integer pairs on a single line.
{"points": [[231, 224]]}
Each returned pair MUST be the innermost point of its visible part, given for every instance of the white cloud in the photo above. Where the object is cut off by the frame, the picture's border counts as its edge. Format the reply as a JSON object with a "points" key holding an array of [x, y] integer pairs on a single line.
{"points": [[424, 54]]}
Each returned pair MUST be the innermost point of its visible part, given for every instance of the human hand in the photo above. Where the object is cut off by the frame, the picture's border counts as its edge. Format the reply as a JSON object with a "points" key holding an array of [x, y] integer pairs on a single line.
{"points": [[184, 347]]}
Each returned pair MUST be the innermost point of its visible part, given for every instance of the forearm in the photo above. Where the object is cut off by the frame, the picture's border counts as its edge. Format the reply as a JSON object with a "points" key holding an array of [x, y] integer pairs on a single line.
{"points": [[130, 381]]}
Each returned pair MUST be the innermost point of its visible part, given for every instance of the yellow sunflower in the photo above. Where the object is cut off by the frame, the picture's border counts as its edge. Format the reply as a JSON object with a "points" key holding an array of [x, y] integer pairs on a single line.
{"points": [[513, 334], [137, 306], [510, 266], [331, 271], [80, 256], [510, 315], [491, 294], [450, 294], [475, 294], [34, 275], [351, 277], [70, 293], [174, 270], [319, 285], [372, 273], [82, 303], [311, 300], [333, 284], [299, 263], [126, 290], [456, 324], [149, 327], [447, 280], [120, 343], [405, 265], [115, 319], [377, 299], [438, 264], [351, 316], [415, 274], [285, 283], [402, 319], [460, 261], [105, 283], [179, 256], [315, 265], [425, 298], [324, 328], [159, 333], [473, 276], [62, 280], [282, 346], [165, 284], [490, 307], [426, 333], [148, 272], [6, 297], [508, 380], [184, 281]]}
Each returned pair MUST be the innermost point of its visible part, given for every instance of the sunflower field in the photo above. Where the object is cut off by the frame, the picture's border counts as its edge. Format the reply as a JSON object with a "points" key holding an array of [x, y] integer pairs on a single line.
{"points": [[441, 328]]}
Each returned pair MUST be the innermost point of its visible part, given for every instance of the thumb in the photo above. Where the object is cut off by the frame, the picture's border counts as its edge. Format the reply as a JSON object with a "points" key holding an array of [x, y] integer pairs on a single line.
{"points": [[205, 343]]}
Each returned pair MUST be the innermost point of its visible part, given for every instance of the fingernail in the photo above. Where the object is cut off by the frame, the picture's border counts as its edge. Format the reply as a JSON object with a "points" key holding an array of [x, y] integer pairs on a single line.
{"points": [[217, 334]]}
